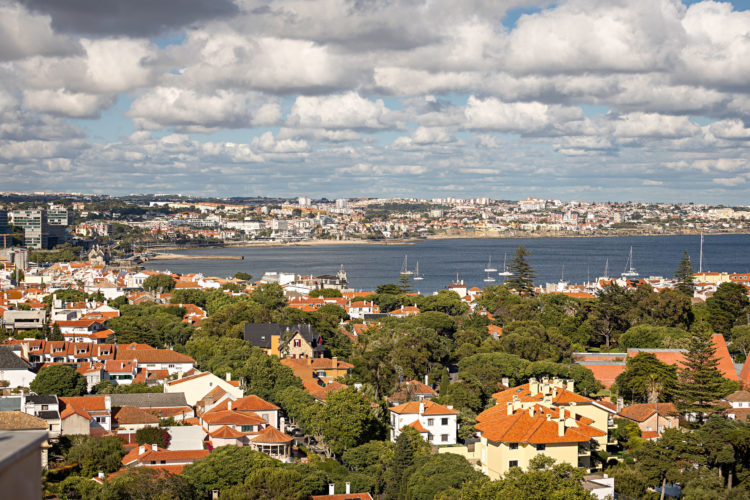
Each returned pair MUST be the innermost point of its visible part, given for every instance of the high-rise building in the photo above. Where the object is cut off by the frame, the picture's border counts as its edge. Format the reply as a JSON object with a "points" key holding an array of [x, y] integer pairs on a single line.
{"points": [[5, 236], [38, 230]]}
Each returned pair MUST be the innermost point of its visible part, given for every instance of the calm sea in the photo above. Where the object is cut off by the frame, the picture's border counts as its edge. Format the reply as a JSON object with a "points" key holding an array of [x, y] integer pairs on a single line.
{"points": [[440, 261]]}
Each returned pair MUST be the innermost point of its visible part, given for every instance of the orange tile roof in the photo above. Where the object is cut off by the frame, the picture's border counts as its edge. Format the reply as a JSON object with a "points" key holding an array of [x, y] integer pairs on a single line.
{"points": [[187, 378], [154, 356], [133, 415], [160, 454], [430, 408], [253, 402], [272, 435], [642, 411], [418, 426], [231, 417], [560, 396], [521, 427], [226, 433]]}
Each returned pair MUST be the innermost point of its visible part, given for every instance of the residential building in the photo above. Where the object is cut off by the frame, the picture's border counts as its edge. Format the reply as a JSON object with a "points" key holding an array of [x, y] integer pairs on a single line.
{"points": [[197, 386], [513, 436], [154, 456], [294, 341], [14, 370], [324, 369], [437, 424], [273, 443], [157, 359], [739, 405], [651, 418]]}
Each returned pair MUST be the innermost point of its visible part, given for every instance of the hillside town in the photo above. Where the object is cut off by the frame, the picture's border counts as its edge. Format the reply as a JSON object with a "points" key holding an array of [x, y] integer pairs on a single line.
{"points": [[45, 220], [295, 386]]}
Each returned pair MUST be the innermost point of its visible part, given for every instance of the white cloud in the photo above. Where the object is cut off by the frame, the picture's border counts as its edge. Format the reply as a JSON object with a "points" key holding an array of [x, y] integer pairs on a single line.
{"points": [[23, 34], [71, 104], [269, 144], [634, 125], [520, 117], [341, 111]]}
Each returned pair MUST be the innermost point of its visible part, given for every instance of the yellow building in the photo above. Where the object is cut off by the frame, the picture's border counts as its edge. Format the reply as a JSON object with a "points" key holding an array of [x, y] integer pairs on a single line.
{"points": [[541, 417]]}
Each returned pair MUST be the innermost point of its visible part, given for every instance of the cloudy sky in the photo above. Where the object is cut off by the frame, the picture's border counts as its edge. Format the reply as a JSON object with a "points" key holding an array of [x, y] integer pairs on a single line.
{"points": [[581, 99]]}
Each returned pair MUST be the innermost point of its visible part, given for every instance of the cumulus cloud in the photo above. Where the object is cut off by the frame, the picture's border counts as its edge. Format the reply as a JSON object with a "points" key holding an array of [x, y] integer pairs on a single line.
{"points": [[24, 34], [72, 104], [519, 117], [136, 18], [189, 110], [343, 111], [269, 144]]}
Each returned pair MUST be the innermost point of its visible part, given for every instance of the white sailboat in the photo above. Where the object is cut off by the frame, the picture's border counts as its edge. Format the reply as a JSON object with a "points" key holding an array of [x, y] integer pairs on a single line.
{"points": [[505, 271], [489, 268], [630, 271], [489, 278], [405, 271], [417, 277]]}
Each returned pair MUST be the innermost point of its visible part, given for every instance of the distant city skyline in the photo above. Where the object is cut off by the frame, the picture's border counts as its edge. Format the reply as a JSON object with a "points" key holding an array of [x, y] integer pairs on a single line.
{"points": [[586, 100]]}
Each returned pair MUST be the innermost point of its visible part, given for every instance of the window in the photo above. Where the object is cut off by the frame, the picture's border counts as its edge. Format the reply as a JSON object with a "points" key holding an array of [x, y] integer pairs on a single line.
{"points": [[297, 343], [45, 407], [513, 463], [541, 447], [444, 438], [513, 446], [247, 428], [444, 421], [430, 421]]}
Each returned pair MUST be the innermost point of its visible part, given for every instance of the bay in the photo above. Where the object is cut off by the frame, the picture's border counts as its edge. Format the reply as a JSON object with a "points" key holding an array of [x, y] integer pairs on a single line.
{"points": [[440, 261]]}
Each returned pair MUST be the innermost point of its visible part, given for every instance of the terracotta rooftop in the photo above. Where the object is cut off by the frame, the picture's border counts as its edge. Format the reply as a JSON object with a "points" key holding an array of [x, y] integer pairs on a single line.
{"points": [[272, 435], [154, 356], [641, 411], [430, 408], [226, 432], [522, 427], [15, 420], [133, 415]]}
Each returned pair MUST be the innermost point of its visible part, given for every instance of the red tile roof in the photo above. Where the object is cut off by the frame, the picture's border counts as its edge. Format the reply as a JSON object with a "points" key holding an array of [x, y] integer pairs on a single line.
{"points": [[430, 408], [522, 427], [642, 411], [272, 435], [154, 356]]}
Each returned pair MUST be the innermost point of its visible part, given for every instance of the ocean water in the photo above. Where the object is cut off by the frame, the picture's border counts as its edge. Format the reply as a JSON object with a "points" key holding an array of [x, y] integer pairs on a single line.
{"points": [[440, 261]]}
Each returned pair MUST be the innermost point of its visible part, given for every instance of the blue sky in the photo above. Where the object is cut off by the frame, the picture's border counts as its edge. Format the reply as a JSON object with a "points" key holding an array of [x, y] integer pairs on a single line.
{"points": [[580, 99]]}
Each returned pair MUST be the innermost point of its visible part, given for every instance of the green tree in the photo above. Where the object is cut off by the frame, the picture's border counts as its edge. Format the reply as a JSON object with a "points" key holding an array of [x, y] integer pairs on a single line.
{"points": [[153, 435], [684, 276], [608, 315], [96, 454], [229, 320], [700, 381], [270, 296], [544, 480], [242, 276], [408, 447], [265, 376], [147, 483], [522, 278], [346, 421], [530, 340], [269, 483], [55, 334], [633, 383], [658, 461], [225, 467], [159, 283], [62, 380], [435, 474], [151, 324], [727, 306], [327, 293]]}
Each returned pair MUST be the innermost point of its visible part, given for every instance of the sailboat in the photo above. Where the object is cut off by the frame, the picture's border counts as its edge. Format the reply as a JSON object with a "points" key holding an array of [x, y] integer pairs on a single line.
{"points": [[417, 277], [405, 269], [505, 271], [489, 278], [630, 271], [489, 268]]}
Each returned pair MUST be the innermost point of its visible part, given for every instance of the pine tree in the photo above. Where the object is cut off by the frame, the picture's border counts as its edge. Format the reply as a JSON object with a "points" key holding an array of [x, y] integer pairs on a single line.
{"points": [[700, 381], [684, 276], [522, 280]]}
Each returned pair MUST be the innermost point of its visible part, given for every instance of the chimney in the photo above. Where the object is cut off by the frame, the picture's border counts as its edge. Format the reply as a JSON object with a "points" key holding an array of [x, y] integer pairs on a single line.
{"points": [[229, 404], [421, 407], [531, 411], [516, 403], [335, 361], [533, 387], [561, 427], [100, 475], [348, 488], [509, 405], [426, 382], [141, 450], [331, 489], [506, 382], [570, 385], [154, 447], [228, 376], [620, 404]]}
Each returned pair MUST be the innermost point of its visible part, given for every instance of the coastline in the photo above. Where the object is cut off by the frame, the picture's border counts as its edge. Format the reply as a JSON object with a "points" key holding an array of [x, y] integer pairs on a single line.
{"points": [[161, 253]]}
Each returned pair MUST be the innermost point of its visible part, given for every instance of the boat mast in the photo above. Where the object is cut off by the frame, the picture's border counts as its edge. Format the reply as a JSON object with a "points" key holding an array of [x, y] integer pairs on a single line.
{"points": [[700, 262]]}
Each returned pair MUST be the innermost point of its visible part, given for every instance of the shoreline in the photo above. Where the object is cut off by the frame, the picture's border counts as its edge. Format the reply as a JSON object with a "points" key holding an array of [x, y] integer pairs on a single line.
{"points": [[405, 241]]}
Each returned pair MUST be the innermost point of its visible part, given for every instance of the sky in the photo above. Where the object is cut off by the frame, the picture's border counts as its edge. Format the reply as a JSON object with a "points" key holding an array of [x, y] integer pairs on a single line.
{"points": [[595, 100]]}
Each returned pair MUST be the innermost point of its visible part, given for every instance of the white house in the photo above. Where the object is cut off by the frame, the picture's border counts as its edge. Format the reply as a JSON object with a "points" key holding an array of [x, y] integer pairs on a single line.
{"points": [[196, 387], [13, 369], [157, 359], [436, 423]]}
